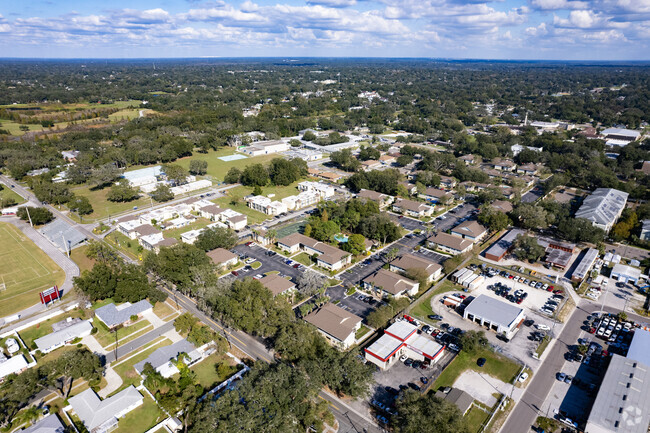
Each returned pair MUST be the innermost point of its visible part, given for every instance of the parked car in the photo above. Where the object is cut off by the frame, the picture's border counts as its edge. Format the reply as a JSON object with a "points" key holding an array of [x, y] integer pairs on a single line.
{"points": [[434, 317], [561, 377], [542, 327], [523, 376], [382, 419]]}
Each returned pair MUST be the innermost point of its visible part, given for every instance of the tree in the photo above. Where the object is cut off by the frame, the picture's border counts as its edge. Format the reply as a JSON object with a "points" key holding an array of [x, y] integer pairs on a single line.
{"points": [[527, 248], [391, 254], [379, 317], [530, 216], [97, 283], [345, 160], [471, 341], [310, 282], [184, 323], [81, 205], [426, 413], [176, 174], [216, 237], [162, 193], [54, 193], [173, 264], [233, 175], [355, 245], [419, 275], [403, 160], [198, 167], [309, 136], [74, 365], [493, 219], [255, 174], [132, 284], [295, 143], [368, 152], [38, 215], [452, 263], [579, 230], [105, 175], [122, 192], [283, 172]]}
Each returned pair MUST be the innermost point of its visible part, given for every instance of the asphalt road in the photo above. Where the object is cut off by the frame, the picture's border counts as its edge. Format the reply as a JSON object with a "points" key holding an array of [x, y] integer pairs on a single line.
{"points": [[139, 342], [532, 195]]}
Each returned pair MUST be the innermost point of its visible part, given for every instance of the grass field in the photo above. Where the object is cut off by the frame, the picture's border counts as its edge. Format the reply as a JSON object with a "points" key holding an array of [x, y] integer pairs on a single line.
{"points": [[102, 208], [107, 338], [176, 233], [25, 269], [211, 371], [141, 418], [78, 255], [496, 365], [8, 193], [125, 244], [423, 309], [217, 168], [475, 419]]}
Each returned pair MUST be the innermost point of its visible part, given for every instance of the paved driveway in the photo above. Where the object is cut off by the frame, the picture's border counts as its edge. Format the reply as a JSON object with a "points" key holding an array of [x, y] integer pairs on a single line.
{"points": [[532, 195], [269, 263], [351, 303]]}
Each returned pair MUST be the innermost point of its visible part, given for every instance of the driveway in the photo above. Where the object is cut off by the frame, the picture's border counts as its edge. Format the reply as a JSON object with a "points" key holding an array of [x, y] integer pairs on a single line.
{"points": [[482, 386], [269, 263], [452, 218], [351, 303]]}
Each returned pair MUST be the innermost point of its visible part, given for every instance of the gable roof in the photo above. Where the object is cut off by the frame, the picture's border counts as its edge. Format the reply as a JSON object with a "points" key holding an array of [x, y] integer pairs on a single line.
{"points": [[502, 206], [390, 281], [469, 228], [146, 230], [435, 192], [162, 355], [372, 195], [450, 241], [411, 205], [334, 321], [95, 412], [409, 261], [221, 255], [602, 206], [66, 334], [49, 424], [329, 254], [276, 284], [113, 315]]}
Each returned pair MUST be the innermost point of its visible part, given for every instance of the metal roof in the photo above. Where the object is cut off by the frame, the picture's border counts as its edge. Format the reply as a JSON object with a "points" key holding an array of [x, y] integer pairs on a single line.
{"points": [[585, 264], [640, 347], [493, 310], [112, 315], [401, 330], [58, 230], [12, 365], [603, 206], [384, 346], [66, 334], [500, 247], [623, 401]]}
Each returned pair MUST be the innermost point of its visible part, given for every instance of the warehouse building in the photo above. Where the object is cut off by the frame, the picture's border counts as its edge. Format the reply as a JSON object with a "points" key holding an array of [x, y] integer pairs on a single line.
{"points": [[500, 248], [583, 268], [401, 338], [494, 314], [625, 273]]}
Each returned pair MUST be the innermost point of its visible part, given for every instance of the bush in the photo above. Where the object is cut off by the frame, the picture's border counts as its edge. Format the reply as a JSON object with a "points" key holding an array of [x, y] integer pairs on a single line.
{"points": [[38, 215]]}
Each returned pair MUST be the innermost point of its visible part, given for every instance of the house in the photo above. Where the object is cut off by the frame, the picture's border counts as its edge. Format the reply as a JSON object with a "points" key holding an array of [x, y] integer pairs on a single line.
{"points": [[382, 200], [266, 205], [434, 195], [504, 165], [63, 336], [391, 284], [156, 241], [14, 365], [48, 424], [189, 237], [371, 164], [468, 159], [529, 169], [113, 316], [237, 222], [409, 187], [447, 243], [410, 261], [402, 338], [501, 247], [336, 324], [277, 284], [447, 182], [458, 397], [469, 230], [324, 190], [499, 316], [222, 257], [177, 223], [329, 257], [645, 168], [266, 148], [502, 206], [145, 230], [161, 359], [70, 155], [645, 230], [412, 208], [603, 207], [387, 159], [101, 416]]}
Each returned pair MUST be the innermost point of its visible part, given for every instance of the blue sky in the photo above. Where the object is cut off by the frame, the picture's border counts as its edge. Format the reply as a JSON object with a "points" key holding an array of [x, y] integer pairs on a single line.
{"points": [[506, 29]]}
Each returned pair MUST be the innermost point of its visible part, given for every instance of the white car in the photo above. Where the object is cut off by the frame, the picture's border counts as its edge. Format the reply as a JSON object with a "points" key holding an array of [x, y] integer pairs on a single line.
{"points": [[523, 376], [542, 327], [403, 358]]}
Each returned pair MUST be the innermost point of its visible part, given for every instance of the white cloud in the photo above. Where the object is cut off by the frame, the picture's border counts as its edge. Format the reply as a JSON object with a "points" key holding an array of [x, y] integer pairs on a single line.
{"points": [[583, 19]]}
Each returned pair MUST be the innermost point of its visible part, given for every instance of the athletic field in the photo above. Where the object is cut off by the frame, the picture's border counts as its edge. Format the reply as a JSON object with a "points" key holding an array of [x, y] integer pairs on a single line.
{"points": [[25, 269]]}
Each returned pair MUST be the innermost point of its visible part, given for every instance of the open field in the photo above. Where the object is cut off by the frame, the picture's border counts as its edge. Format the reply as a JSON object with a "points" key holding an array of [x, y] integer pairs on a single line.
{"points": [[78, 255], [8, 193], [141, 418], [25, 269], [102, 208], [107, 338], [475, 419], [218, 168], [213, 370], [129, 246], [164, 311], [196, 225]]}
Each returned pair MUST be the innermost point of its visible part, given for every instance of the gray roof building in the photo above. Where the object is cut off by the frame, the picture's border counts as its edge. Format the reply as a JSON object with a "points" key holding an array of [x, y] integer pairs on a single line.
{"points": [[494, 313], [460, 398], [585, 265], [51, 341], [603, 207], [100, 416], [623, 401], [160, 358], [49, 424], [499, 249], [113, 315], [640, 347]]}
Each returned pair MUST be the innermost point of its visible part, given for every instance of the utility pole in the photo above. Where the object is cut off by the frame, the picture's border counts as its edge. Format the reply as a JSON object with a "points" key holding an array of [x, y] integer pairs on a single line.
{"points": [[65, 244], [29, 216]]}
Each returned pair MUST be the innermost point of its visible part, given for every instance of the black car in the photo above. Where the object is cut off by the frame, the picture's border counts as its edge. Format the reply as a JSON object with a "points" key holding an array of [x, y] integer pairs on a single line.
{"points": [[434, 317], [414, 386], [408, 361], [529, 322], [392, 390], [403, 387], [416, 364], [480, 362]]}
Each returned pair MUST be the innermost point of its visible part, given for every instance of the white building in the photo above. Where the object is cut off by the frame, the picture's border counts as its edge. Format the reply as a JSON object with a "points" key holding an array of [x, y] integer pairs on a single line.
{"points": [[266, 148], [499, 316], [192, 186], [63, 336], [323, 189], [14, 365], [266, 205], [603, 207], [401, 338], [101, 416]]}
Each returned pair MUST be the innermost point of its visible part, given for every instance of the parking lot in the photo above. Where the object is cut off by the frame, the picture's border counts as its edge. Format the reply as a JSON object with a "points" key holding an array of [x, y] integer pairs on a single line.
{"points": [[454, 216], [269, 263], [351, 303]]}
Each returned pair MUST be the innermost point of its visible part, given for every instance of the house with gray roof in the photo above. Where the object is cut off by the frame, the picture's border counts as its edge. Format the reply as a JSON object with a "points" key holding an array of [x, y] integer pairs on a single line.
{"points": [[112, 315], [101, 416], [603, 207], [49, 424], [161, 359], [63, 336]]}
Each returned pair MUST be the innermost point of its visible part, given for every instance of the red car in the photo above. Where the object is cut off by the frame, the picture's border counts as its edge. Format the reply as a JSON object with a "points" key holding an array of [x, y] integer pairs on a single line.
{"points": [[235, 273], [296, 266], [408, 318], [558, 291], [248, 244], [511, 277]]}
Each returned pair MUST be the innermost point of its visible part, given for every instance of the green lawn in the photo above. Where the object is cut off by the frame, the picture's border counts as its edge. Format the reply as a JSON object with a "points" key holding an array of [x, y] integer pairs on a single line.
{"points": [[142, 418], [41, 329], [78, 255], [475, 418], [496, 365], [176, 233], [217, 168], [127, 372], [256, 265], [8, 193], [102, 208], [361, 332], [25, 270], [213, 370], [130, 246], [303, 258], [107, 338], [423, 309], [163, 310]]}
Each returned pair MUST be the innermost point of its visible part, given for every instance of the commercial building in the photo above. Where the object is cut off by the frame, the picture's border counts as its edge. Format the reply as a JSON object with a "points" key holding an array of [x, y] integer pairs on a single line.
{"points": [[499, 316], [401, 338], [382, 200], [143, 176], [115, 315], [161, 359], [447, 243], [412, 208], [623, 400], [191, 186], [584, 266], [625, 273], [49, 424], [266, 148], [222, 257], [14, 365], [501, 247], [408, 261], [101, 416], [277, 284], [619, 136], [603, 207], [63, 336], [329, 257], [640, 346], [470, 230], [391, 284], [336, 324]]}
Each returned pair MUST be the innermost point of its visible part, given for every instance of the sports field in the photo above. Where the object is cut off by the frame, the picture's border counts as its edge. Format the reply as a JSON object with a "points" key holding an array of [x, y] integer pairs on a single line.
{"points": [[25, 269]]}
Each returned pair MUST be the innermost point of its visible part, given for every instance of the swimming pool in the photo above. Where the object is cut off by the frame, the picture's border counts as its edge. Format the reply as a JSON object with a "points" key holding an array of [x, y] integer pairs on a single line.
{"points": [[234, 157], [341, 238]]}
